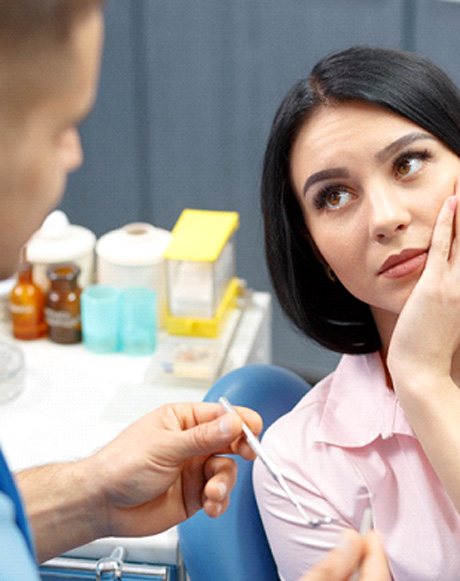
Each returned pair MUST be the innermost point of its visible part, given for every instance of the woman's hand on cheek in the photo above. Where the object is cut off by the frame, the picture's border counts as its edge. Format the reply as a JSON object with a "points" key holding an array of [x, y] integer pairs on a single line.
{"points": [[427, 333], [423, 356]]}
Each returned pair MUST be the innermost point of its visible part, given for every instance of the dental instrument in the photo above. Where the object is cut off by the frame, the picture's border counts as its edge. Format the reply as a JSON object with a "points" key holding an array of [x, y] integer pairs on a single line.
{"points": [[259, 450]]}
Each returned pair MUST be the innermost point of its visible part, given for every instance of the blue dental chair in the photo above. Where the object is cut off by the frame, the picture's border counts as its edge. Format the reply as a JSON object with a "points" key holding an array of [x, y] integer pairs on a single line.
{"points": [[234, 547]]}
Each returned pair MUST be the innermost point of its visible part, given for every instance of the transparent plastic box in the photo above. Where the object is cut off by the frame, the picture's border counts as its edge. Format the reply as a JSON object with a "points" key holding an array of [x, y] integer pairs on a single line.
{"points": [[198, 287], [201, 272]]}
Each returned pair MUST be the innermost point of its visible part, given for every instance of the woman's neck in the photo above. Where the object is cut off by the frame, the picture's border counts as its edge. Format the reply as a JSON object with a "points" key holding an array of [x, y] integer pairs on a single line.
{"points": [[385, 323]]}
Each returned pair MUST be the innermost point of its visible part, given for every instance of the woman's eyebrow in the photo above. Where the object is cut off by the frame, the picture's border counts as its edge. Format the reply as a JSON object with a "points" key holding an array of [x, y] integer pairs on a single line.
{"points": [[385, 153], [381, 156], [325, 174]]}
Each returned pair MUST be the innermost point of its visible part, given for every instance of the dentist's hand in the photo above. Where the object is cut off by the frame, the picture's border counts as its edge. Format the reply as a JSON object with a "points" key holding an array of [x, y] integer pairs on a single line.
{"points": [[155, 474], [357, 557], [169, 464]]}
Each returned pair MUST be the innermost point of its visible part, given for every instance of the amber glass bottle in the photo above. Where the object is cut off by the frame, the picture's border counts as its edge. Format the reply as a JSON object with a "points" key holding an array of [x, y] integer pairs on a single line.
{"points": [[27, 302], [63, 304]]}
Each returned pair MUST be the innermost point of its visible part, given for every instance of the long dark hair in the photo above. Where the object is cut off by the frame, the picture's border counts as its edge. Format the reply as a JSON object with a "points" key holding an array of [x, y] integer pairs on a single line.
{"points": [[407, 84]]}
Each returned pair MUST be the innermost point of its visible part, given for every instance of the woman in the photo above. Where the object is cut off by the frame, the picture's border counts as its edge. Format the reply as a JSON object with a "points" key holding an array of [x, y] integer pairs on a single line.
{"points": [[359, 197]]}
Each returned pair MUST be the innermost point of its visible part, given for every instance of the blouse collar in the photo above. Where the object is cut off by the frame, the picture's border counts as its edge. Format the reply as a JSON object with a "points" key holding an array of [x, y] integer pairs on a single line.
{"points": [[360, 407]]}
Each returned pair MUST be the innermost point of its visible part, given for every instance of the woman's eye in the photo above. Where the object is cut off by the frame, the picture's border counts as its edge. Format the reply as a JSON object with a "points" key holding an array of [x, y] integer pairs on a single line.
{"points": [[332, 198], [410, 163], [408, 166]]}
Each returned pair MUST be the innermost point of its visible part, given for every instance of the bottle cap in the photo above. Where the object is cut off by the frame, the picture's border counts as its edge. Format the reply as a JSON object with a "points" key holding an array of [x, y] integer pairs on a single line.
{"points": [[67, 272]]}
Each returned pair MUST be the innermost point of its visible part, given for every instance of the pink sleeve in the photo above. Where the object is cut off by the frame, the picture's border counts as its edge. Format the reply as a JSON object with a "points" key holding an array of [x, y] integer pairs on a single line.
{"points": [[325, 483]]}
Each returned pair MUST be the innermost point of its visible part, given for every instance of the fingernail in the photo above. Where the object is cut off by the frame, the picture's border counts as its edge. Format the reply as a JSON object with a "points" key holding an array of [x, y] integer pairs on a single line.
{"points": [[225, 424], [222, 490], [453, 200]]}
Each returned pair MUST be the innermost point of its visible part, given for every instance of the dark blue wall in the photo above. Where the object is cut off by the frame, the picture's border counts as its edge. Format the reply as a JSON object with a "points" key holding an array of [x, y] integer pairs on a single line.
{"points": [[188, 92]]}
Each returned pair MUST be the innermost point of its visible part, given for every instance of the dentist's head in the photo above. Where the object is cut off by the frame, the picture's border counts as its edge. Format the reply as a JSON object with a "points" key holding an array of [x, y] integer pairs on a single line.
{"points": [[48, 77]]}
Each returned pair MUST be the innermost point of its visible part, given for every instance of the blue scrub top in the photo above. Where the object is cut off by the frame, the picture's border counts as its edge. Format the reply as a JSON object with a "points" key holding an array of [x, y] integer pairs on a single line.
{"points": [[17, 559]]}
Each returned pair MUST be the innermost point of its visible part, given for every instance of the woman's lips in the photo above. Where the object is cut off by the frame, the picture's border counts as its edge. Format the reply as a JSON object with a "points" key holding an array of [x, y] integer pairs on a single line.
{"points": [[403, 264]]}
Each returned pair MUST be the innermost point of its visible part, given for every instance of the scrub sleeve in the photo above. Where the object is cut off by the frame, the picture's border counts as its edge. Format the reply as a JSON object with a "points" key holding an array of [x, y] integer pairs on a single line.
{"points": [[17, 559]]}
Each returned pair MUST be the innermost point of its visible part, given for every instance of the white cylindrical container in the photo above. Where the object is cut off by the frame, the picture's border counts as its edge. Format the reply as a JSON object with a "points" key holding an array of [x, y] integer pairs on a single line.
{"points": [[58, 241], [132, 256]]}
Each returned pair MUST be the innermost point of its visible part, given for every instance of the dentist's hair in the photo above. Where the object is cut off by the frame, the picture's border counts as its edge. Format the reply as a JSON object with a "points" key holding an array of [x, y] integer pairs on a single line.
{"points": [[36, 48], [24, 21], [405, 83]]}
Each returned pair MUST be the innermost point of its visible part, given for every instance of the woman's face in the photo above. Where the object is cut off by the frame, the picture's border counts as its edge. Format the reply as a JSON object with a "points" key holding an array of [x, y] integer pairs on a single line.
{"points": [[370, 184]]}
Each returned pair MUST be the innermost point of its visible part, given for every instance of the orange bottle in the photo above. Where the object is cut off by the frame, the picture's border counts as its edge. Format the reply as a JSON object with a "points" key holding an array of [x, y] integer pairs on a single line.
{"points": [[27, 303]]}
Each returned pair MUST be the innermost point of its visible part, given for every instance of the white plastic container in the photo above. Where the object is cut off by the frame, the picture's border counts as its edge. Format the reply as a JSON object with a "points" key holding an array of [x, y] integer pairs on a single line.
{"points": [[58, 241], [132, 256]]}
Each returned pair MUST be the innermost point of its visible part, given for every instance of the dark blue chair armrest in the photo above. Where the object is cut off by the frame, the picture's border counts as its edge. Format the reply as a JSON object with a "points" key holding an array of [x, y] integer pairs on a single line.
{"points": [[234, 546]]}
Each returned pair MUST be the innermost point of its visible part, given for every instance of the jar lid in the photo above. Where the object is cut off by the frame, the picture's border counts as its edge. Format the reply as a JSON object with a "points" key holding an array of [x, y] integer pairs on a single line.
{"points": [[135, 244], [59, 241]]}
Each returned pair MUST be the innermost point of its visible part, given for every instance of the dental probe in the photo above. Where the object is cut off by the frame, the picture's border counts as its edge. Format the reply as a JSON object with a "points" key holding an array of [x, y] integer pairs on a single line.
{"points": [[366, 522], [257, 447]]}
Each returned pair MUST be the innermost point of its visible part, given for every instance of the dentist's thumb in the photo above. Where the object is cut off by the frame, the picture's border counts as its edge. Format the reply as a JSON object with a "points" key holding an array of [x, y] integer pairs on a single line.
{"points": [[211, 437]]}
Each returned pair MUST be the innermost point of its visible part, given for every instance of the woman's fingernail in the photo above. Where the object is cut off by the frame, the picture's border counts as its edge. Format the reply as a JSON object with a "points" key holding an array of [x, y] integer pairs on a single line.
{"points": [[453, 201]]}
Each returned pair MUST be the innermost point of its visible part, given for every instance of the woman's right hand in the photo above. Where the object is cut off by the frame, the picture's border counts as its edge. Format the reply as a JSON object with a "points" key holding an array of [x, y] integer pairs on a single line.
{"points": [[357, 557], [427, 334]]}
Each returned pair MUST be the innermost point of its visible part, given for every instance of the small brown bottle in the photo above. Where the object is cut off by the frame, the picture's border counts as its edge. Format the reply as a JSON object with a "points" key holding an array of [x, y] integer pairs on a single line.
{"points": [[62, 308], [27, 302]]}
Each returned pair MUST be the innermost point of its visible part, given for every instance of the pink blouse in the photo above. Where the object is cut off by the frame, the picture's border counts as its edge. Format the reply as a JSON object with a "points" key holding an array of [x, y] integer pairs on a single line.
{"points": [[346, 446]]}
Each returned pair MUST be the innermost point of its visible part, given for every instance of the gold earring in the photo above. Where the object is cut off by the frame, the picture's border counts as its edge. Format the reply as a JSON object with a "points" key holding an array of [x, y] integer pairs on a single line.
{"points": [[330, 273]]}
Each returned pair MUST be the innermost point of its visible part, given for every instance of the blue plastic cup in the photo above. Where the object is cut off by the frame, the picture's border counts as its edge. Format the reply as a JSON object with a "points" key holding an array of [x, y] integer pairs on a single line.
{"points": [[138, 321], [100, 311]]}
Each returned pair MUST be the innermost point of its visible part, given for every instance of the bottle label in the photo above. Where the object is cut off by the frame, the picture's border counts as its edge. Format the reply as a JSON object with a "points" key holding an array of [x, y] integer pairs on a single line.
{"points": [[61, 319], [22, 309]]}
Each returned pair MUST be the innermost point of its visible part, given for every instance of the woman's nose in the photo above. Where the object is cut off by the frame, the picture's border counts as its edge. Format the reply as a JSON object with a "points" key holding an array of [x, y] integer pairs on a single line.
{"points": [[388, 214]]}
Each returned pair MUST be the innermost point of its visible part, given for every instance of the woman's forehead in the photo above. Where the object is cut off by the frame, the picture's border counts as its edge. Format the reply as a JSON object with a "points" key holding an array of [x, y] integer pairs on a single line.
{"points": [[353, 126]]}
